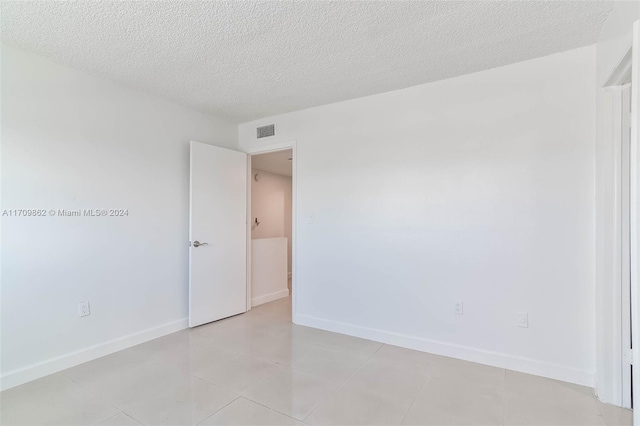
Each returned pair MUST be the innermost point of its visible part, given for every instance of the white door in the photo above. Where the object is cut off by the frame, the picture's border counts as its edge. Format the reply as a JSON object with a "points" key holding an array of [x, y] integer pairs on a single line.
{"points": [[217, 233]]}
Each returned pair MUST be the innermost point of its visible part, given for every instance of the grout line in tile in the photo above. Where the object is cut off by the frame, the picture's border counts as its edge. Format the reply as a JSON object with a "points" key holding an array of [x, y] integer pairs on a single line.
{"points": [[504, 398], [133, 417], [269, 408], [376, 351], [337, 388], [414, 400], [322, 402], [110, 417], [221, 408], [92, 393]]}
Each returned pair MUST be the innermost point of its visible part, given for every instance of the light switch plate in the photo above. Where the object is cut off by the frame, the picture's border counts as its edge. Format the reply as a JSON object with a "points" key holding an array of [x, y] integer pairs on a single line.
{"points": [[522, 319]]}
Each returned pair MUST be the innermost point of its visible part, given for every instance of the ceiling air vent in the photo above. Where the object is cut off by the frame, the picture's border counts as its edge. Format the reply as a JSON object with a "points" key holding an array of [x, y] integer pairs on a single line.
{"points": [[266, 131]]}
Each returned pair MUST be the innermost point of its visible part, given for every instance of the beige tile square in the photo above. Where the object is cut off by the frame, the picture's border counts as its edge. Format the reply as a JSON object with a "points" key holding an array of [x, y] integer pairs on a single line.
{"points": [[243, 412], [291, 392], [268, 322], [125, 387], [452, 402], [279, 307], [193, 356], [52, 400], [162, 344], [349, 344], [233, 339], [388, 379], [188, 404], [616, 416], [278, 348], [240, 373], [552, 392], [185, 349], [470, 373], [407, 359], [328, 364], [437, 418], [536, 412], [97, 370], [303, 335], [350, 405]]}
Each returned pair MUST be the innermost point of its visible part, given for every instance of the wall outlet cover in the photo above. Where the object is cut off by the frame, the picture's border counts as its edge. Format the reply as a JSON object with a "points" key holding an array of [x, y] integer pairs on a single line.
{"points": [[83, 309], [458, 307], [522, 319]]}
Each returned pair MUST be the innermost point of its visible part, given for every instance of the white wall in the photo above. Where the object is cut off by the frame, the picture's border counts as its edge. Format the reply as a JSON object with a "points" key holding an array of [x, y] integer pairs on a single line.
{"points": [[72, 141], [271, 204], [268, 270], [614, 42], [478, 188]]}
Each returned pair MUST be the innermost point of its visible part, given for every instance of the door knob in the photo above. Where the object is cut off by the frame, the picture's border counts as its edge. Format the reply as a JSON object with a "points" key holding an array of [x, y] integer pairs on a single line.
{"points": [[197, 243]]}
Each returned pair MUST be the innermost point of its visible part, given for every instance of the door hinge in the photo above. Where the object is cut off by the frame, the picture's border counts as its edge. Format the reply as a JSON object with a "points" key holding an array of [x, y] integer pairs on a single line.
{"points": [[628, 356]]}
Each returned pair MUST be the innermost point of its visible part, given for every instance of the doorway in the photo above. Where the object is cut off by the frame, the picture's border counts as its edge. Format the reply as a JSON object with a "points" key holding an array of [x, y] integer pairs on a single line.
{"points": [[270, 231]]}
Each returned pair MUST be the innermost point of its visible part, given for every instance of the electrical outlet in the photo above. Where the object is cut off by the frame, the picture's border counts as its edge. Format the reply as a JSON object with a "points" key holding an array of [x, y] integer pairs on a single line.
{"points": [[522, 319], [457, 307], [310, 219], [83, 309]]}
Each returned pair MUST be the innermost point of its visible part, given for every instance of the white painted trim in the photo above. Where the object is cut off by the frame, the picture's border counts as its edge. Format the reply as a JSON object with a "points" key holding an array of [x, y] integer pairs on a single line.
{"points": [[62, 362], [496, 359], [292, 145], [622, 72], [609, 387], [270, 297], [609, 274], [249, 232], [635, 214], [623, 254], [281, 146]]}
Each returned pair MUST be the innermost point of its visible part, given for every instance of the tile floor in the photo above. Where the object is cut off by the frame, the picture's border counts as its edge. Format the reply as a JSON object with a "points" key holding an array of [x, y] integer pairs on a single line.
{"points": [[260, 369]]}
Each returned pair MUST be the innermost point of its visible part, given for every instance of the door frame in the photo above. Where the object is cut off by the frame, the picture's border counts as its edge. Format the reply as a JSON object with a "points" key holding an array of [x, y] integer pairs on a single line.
{"points": [[264, 149], [615, 303], [635, 211], [625, 243]]}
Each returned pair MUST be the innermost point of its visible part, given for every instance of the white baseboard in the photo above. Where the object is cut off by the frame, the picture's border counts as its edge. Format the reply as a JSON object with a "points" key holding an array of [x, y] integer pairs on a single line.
{"points": [[53, 365], [269, 297], [496, 359]]}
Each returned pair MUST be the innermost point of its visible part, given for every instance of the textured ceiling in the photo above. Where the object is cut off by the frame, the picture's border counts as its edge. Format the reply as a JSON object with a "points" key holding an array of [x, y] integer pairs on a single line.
{"points": [[274, 162], [245, 59]]}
